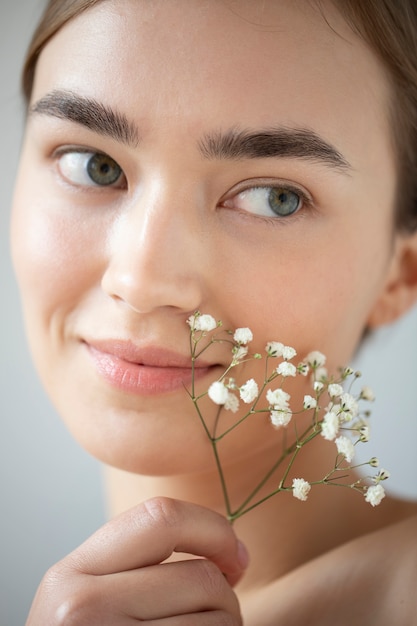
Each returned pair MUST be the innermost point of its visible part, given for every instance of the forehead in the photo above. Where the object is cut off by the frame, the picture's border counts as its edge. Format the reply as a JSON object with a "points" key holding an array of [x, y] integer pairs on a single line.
{"points": [[224, 63]]}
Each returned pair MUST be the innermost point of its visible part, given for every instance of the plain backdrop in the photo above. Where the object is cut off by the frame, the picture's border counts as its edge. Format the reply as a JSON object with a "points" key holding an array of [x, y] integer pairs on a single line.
{"points": [[51, 492]]}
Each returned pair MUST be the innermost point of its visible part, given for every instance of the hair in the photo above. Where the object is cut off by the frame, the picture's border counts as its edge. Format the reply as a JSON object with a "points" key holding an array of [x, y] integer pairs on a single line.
{"points": [[389, 27]]}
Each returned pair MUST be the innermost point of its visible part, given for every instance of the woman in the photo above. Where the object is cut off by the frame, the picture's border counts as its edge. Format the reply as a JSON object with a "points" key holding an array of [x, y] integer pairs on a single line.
{"points": [[254, 161]]}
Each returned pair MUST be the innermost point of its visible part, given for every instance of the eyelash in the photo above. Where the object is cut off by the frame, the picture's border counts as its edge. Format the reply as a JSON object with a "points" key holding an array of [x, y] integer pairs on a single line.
{"points": [[243, 189]]}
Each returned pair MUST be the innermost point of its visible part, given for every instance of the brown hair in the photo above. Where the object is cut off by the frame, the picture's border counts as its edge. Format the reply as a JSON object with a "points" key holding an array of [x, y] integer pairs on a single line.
{"points": [[388, 26]]}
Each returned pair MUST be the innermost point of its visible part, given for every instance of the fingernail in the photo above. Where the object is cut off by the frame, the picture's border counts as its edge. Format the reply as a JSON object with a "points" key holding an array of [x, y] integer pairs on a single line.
{"points": [[242, 555]]}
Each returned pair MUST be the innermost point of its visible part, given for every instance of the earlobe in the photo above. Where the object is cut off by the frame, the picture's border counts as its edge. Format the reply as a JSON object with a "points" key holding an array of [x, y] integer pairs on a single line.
{"points": [[400, 290]]}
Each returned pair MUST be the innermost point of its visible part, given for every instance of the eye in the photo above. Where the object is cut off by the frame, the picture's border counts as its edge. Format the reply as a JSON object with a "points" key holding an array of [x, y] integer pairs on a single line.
{"points": [[90, 169], [268, 201]]}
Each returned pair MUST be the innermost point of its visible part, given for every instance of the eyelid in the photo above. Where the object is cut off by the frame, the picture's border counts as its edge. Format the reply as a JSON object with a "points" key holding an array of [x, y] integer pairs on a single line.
{"points": [[262, 183], [61, 151]]}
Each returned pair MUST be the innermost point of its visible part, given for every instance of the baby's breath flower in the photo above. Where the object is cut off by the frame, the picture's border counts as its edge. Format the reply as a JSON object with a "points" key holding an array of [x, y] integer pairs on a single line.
{"points": [[348, 404], [274, 348], [335, 390], [239, 353], [218, 392], [364, 433], [321, 374], [280, 417], [383, 474], [249, 391], [243, 335], [318, 386], [302, 368], [278, 398], [375, 494], [374, 462], [202, 322], [315, 359], [345, 447], [367, 394], [330, 426], [309, 402], [288, 353], [286, 369], [232, 403], [300, 488]]}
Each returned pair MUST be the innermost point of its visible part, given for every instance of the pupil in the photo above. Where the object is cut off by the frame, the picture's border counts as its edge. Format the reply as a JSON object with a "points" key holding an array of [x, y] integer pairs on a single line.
{"points": [[103, 170]]}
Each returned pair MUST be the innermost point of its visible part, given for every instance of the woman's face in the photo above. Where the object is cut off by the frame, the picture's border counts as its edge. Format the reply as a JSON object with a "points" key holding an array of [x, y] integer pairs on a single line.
{"points": [[231, 157]]}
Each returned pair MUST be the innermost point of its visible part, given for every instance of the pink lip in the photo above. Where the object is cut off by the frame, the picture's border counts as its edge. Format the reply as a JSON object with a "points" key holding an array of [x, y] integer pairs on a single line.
{"points": [[145, 370]]}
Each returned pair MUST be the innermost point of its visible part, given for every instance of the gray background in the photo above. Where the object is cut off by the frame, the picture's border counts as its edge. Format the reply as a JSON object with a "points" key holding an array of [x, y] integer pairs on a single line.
{"points": [[51, 494]]}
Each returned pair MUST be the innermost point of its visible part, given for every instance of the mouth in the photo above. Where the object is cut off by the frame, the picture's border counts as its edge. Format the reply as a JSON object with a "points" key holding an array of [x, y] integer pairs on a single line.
{"points": [[144, 370]]}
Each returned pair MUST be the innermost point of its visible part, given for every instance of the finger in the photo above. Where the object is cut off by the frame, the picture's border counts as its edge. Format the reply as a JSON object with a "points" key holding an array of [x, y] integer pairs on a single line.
{"points": [[150, 532], [192, 586]]}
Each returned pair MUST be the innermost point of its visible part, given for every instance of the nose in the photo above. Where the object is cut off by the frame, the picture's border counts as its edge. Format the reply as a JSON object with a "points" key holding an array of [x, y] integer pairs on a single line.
{"points": [[154, 256]]}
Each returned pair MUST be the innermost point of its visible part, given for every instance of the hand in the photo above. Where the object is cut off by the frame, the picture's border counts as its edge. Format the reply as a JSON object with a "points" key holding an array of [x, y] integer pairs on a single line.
{"points": [[117, 577]]}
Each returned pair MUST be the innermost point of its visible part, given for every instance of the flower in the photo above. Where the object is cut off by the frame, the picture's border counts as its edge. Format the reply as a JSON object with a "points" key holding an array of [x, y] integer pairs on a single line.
{"points": [[364, 433], [330, 426], [243, 336], [348, 405], [278, 398], [375, 494], [274, 348], [288, 353], [300, 488], [249, 391], [309, 402], [318, 386], [286, 369], [383, 474], [374, 462], [280, 417], [202, 322], [232, 403], [335, 390], [218, 392], [345, 447], [302, 368], [239, 353], [367, 394], [315, 359]]}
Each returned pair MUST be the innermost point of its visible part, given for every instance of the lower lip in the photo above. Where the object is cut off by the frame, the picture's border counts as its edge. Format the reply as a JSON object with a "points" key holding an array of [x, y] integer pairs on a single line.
{"points": [[143, 379]]}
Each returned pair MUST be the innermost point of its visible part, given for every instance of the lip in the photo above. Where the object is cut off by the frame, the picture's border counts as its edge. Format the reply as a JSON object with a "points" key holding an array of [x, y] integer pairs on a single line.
{"points": [[143, 370]]}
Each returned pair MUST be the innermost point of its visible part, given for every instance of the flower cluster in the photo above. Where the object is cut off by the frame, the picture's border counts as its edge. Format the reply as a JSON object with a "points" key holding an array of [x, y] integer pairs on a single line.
{"points": [[336, 413]]}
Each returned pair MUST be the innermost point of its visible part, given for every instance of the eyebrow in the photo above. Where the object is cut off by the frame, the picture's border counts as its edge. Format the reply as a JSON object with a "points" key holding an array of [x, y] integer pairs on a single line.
{"points": [[299, 143], [88, 112], [234, 144]]}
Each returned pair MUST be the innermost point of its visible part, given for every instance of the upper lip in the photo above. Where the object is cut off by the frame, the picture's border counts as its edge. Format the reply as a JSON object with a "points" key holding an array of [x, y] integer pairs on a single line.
{"points": [[146, 355]]}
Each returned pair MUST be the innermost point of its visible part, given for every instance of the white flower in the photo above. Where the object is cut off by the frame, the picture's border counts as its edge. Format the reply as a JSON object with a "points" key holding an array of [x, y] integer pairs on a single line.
{"points": [[367, 394], [316, 359], [286, 369], [300, 488], [232, 403], [288, 353], [274, 348], [280, 417], [278, 398], [218, 392], [348, 404], [335, 390], [318, 386], [243, 335], [374, 462], [345, 447], [330, 426], [239, 353], [202, 322], [303, 368], [375, 494], [249, 391], [364, 433], [383, 474], [309, 402]]}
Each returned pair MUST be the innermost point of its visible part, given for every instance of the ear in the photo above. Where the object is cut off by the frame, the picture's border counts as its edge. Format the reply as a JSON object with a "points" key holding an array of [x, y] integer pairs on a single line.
{"points": [[400, 289]]}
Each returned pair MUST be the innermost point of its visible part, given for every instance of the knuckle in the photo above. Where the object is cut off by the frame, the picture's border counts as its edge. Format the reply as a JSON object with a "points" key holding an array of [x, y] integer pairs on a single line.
{"points": [[77, 608], [163, 511], [210, 578]]}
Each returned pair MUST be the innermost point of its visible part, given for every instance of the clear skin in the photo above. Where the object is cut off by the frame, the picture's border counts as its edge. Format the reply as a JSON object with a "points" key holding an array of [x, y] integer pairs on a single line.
{"points": [[174, 234]]}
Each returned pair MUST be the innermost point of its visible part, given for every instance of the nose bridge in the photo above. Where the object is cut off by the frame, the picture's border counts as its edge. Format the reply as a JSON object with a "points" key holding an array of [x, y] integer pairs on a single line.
{"points": [[153, 252]]}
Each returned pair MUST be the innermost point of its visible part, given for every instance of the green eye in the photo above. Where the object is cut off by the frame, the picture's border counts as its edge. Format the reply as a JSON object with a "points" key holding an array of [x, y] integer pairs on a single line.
{"points": [[84, 168], [103, 170], [283, 201]]}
